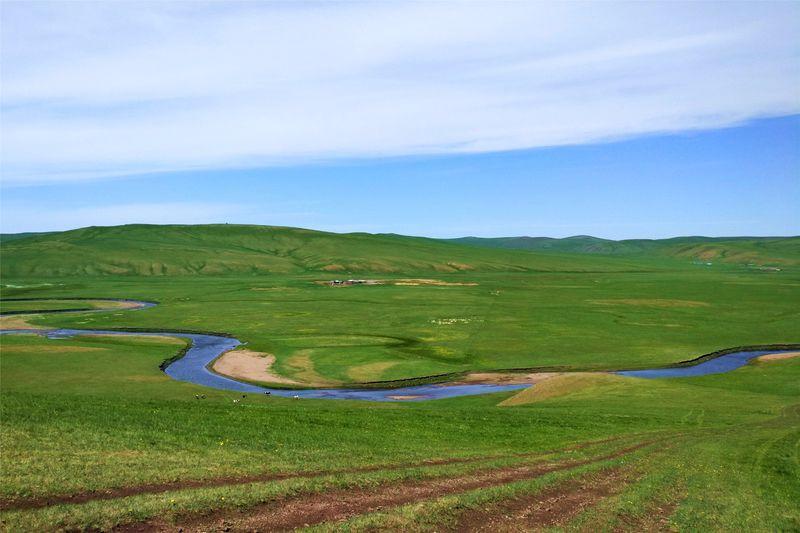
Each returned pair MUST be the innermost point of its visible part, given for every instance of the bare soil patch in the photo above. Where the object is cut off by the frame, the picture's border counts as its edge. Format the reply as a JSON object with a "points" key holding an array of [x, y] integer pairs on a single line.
{"points": [[286, 514], [497, 378], [249, 365], [778, 356], [551, 508], [157, 488]]}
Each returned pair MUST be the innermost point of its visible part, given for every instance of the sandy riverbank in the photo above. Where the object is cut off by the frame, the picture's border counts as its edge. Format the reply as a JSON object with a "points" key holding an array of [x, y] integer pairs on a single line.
{"points": [[250, 366], [778, 356]]}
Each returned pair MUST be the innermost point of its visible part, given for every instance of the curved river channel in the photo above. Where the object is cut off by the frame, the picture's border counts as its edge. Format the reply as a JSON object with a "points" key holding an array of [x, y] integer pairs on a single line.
{"points": [[193, 366]]}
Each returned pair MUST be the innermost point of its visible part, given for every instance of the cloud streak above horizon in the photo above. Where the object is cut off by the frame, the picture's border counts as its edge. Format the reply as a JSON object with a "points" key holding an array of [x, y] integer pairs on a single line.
{"points": [[95, 90]]}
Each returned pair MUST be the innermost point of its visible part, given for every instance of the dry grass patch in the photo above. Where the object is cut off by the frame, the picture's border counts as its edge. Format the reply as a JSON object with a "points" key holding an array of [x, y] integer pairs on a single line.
{"points": [[655, 324], [562, 385], [54, 349], [17, 322], [302, 367], [148, 379], [650, 302], [403, 282], [434, 282], [143, 339], [369, 371]]}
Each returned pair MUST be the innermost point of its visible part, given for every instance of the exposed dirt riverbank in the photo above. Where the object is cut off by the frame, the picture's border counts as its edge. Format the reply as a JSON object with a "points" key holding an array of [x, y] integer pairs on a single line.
{"points": [[250, 366]]}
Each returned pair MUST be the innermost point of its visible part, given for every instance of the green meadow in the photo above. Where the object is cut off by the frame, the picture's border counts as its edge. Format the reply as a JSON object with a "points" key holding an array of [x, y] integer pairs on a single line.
{"points": [[577, 321], [93, 415]]}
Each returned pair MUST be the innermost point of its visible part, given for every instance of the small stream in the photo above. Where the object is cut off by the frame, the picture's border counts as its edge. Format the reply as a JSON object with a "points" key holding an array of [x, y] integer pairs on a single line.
{"points": [[193, 368]]}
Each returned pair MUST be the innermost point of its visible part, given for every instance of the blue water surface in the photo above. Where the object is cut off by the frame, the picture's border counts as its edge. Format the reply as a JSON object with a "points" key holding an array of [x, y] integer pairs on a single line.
{"points": [[193, 368], [718, 365]]}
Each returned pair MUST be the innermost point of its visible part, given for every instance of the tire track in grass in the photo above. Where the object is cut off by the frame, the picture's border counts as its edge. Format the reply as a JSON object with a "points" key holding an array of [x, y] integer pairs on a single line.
{"points": [[169, 486], [558, 505], [553, 507], [305, 510], [656, 519], [17, 504]]}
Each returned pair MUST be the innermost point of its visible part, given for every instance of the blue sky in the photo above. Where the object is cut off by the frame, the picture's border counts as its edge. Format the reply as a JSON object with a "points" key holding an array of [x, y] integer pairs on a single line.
{"points": [[742, 180], [441, 119]]}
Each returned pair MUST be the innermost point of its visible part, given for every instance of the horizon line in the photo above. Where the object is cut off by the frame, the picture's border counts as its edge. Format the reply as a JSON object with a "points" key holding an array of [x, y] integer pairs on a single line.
{"points": [[579, 235]]}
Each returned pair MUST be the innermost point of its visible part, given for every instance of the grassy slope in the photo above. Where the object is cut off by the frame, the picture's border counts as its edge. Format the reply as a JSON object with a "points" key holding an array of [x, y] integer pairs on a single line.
{"points": [[742, 474], [236, 249], [93, 413], [567, 384], [739, 250], [8, 237]]}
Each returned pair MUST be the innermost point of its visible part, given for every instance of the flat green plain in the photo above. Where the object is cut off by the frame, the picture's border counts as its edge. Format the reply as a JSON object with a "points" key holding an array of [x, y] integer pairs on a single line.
{"points": [[580, 321], [84, 415]]}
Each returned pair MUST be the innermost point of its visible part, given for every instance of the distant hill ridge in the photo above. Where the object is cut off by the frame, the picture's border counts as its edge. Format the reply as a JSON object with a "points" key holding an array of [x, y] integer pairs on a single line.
{"points": [[222, 249], [8, 237], [744, 250]]}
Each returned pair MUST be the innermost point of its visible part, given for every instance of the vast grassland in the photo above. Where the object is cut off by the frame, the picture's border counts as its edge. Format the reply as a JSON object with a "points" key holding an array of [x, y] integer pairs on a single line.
{"points": [[95, 435], [581, 321], [90, 414]]}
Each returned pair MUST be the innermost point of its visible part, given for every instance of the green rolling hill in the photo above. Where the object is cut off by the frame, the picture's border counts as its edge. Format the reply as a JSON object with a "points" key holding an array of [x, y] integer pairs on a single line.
{"points": [[761, 251], [242, 249], [222, 249], [8, 237]]}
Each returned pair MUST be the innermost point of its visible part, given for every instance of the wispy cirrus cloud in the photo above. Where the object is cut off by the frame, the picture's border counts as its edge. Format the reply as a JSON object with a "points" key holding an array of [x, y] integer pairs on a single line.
{"points": [[92, 90]]}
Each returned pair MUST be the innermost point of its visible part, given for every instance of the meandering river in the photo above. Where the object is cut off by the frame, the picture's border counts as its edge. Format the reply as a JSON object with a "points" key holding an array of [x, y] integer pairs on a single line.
{"points": [[193, 367]]}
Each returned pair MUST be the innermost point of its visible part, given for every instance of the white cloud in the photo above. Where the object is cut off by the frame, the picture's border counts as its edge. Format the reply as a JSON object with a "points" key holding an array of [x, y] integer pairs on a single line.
{"points": [[93, 90]]}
